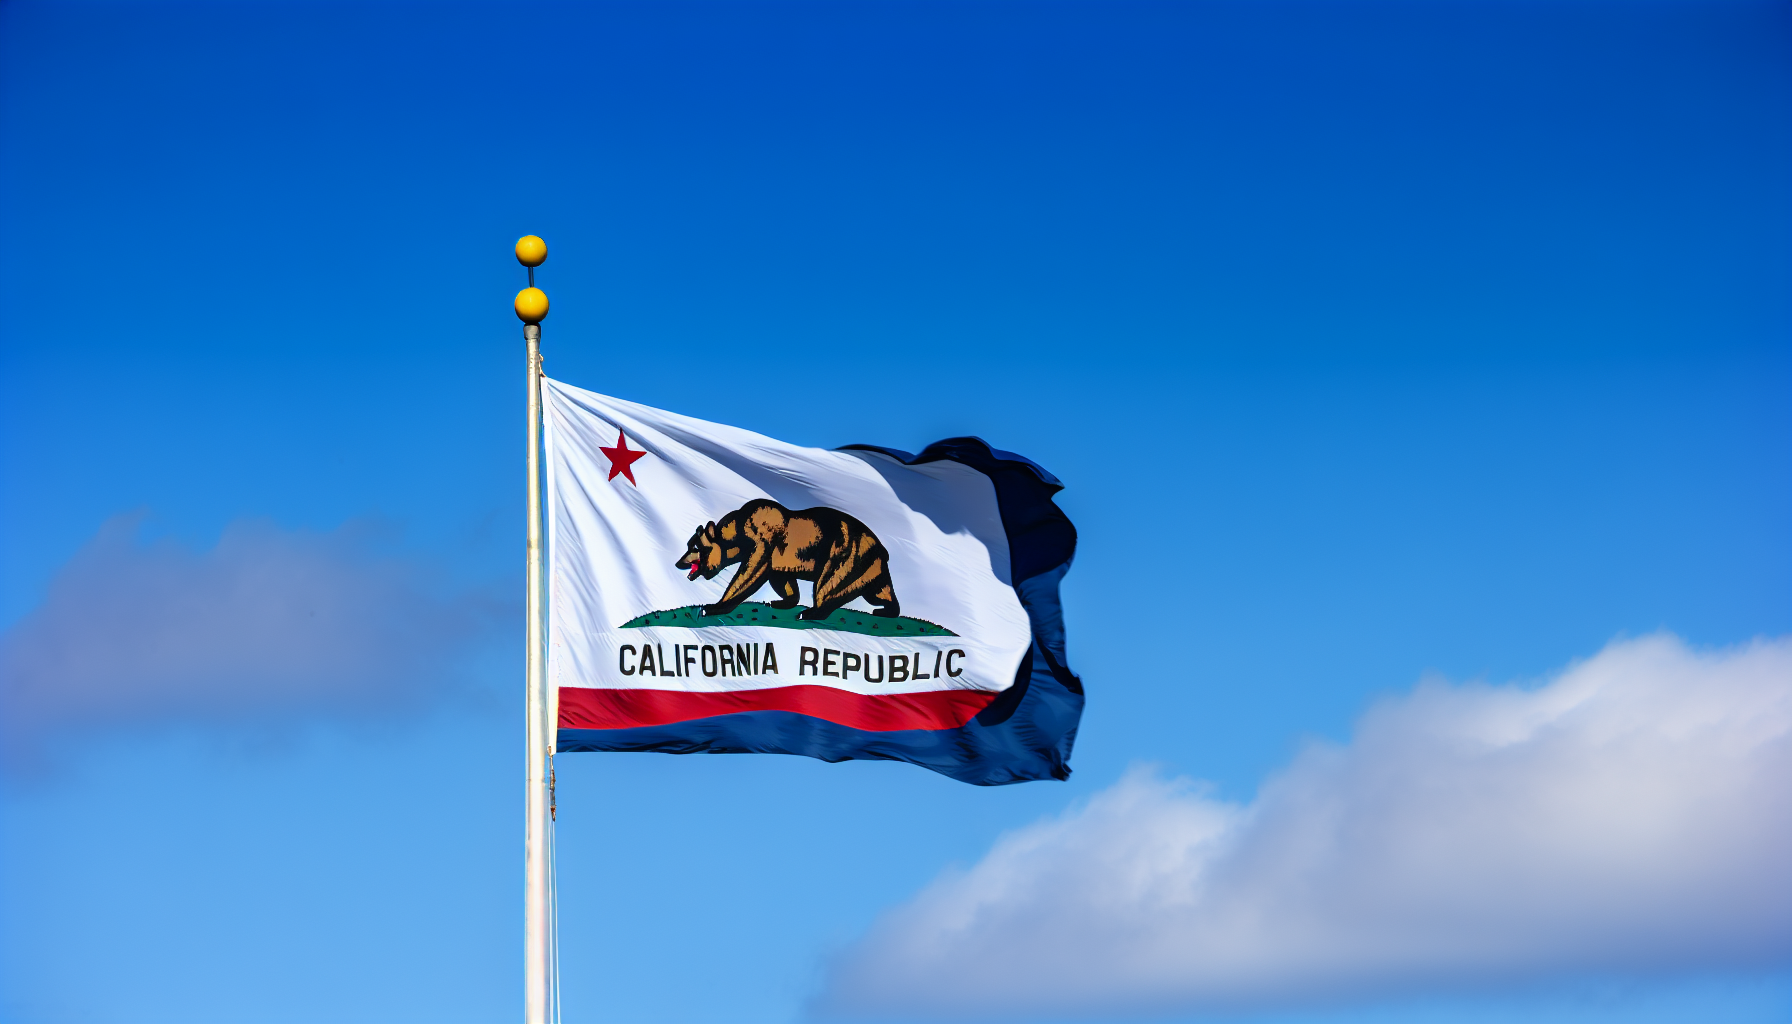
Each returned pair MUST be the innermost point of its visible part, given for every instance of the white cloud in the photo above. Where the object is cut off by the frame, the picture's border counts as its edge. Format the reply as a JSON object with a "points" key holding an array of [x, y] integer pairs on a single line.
{"points": [[268, 621], [1634, 814]]}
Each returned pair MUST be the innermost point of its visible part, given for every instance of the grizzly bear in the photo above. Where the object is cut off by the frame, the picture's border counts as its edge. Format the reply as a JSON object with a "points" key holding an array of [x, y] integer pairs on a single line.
{"points": [[839, 554]]}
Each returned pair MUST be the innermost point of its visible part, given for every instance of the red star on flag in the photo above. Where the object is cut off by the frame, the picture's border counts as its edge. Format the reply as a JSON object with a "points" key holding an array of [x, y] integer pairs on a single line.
{"points": [[621, 458]]}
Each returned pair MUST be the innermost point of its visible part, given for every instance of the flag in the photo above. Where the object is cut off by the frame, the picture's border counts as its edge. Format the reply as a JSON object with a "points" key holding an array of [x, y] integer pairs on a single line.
{"points": [[712, 590]]}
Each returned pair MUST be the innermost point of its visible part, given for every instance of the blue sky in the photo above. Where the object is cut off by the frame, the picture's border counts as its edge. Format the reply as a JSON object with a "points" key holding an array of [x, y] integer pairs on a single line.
{"points": [[1373, 342]]}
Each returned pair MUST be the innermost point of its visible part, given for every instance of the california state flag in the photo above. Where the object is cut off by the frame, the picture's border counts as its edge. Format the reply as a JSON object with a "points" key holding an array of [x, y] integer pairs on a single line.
{"points": [[715, 590]]}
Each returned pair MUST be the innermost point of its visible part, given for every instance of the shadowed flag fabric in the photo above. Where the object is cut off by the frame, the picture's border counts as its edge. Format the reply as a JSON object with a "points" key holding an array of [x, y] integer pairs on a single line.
{"points": [[713, 590]]}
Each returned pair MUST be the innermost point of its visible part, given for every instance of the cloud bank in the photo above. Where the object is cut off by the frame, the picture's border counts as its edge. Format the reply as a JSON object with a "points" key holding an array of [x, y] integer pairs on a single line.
{"points": [[268, 622], [1634, 814]]}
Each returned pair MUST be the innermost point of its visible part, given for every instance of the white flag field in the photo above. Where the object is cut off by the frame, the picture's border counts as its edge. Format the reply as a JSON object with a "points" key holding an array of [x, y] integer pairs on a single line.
{"points": [[711, 589]]}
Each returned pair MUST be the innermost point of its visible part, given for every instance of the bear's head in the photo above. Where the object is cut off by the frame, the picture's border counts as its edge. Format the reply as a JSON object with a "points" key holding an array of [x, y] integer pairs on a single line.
{"points": [[707, 553]]}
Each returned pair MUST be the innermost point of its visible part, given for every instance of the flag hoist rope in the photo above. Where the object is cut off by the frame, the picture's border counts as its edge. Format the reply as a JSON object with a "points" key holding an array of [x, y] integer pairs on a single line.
{"points": [[538, 912]]}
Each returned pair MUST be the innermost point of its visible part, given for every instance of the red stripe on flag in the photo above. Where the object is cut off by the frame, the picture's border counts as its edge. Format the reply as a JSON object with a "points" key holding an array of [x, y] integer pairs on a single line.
{"points": [[582, 708]]}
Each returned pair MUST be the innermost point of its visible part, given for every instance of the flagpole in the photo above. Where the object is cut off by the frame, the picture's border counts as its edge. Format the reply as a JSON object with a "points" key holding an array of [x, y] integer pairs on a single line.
{"points": [[531, 306]]}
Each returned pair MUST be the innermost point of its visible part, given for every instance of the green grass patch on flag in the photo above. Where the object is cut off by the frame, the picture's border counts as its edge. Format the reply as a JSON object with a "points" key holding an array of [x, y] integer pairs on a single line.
{"points": [[756, 613]]}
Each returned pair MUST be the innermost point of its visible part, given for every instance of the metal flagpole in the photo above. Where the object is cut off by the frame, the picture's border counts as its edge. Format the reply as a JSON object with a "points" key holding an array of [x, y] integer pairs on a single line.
{"points": [[531, 307]]}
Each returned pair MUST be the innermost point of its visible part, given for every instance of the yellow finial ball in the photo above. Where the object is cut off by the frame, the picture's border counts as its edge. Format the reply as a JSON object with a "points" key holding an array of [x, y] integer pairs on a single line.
{"points": [[531, 305], [531, 250]]}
